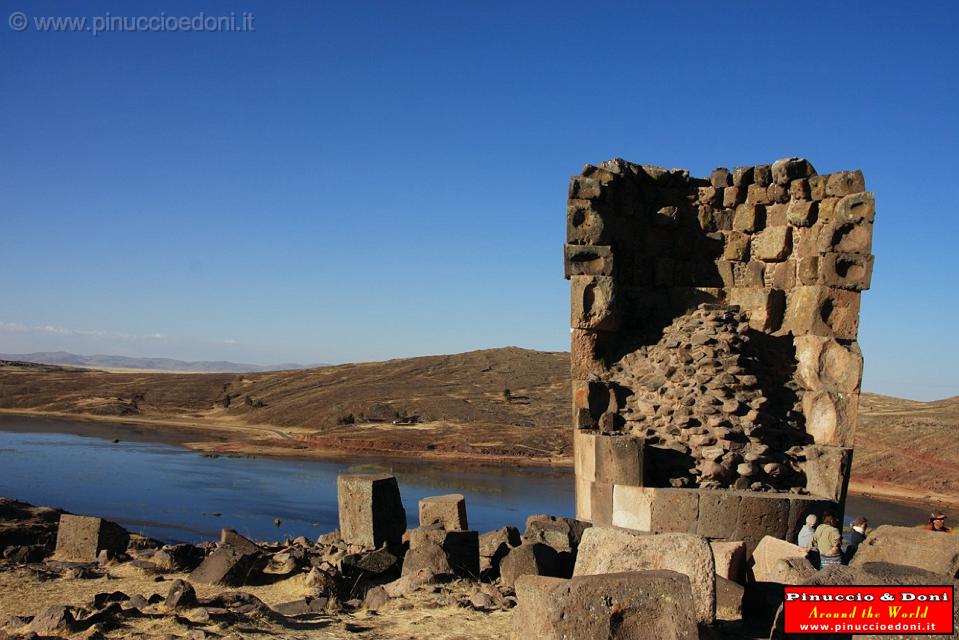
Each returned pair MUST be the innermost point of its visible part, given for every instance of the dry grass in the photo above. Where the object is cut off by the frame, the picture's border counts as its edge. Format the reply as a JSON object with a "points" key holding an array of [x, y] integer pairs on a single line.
{"points": [[421, 615]]}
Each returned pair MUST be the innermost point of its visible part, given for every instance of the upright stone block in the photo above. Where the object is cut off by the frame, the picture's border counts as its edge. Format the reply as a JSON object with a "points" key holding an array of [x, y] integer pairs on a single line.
{"points": [[448, 511], [82, 538], [371, 511]]}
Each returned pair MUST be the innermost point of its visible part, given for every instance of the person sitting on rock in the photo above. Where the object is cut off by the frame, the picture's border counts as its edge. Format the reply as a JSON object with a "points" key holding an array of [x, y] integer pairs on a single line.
{"points": [[937, 522], [854, 538], [804, 539], [828, 540]]}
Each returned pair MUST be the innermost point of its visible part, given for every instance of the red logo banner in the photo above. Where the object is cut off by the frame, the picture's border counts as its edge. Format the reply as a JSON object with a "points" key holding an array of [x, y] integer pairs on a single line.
{"points": [[871, 610]]}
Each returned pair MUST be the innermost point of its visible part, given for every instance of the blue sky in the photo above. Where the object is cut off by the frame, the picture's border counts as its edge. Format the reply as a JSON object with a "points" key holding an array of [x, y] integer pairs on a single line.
{"points": [[365, 180]]}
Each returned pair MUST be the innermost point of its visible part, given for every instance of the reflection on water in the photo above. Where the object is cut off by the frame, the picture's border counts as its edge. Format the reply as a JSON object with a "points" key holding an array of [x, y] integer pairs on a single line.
{"points": [[173, 493]]}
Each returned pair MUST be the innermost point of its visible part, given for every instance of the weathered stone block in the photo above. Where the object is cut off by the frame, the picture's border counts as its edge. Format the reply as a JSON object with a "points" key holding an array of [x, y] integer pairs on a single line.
{"points": [[619, 460], [768, 565], [772, 244], [720, 177], [788, 169], [586, 223], [588, 260], [822, 311], [928, 550], [655, 510], [584, 454], [843, 183], [611, 550], [742, 176], [646, 605], [529, 559], [845, 270], [750, 274], [761, 515], [229, 565], [496, 545], [584, 355], [749, 218], [831, 416], [584, 188], [718, 514], [757, 194], [371, 511], [827, 471], [584, 498], [729, 600], [777, 193], [729, 558], [449, 511], [807, 270], [736, 247], [776, 215], [801, 213], [764, 307], [733, 196], [593, 303], [781, 275], [824, 364], [601, 499], [817, 187], [443, 552], [799, 189], [855, 208], [82, 538], [849, 237]]}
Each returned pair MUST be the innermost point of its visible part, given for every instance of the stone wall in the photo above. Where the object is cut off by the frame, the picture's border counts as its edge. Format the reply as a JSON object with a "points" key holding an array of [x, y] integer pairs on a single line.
{"points": [[714, 327]]}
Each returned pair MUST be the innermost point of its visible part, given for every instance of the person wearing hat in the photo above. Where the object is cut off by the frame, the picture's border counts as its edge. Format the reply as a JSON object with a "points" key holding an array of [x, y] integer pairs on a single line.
{"points": [[854, 538], [937, 522]]}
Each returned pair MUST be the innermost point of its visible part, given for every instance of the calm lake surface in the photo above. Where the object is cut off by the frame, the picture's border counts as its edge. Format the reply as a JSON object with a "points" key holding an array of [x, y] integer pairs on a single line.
{"points": [[175, 494], [172, 493]]}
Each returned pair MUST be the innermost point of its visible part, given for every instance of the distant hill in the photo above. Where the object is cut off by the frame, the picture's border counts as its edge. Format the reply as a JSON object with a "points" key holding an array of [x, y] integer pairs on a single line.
{"points": [[100, 361], [461, 409]]}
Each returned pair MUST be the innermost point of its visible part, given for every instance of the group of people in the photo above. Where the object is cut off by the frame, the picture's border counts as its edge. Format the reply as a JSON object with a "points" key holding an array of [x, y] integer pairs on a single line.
{"points": [[827, 545]]}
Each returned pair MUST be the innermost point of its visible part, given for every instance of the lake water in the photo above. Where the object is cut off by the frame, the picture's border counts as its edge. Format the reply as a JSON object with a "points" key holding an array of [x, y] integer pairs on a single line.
{"points": [[175, 494]]}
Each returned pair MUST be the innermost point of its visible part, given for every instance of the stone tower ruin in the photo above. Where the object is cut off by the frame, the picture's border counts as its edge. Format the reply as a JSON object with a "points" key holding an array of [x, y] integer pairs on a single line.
{"points": [[715, 365]]}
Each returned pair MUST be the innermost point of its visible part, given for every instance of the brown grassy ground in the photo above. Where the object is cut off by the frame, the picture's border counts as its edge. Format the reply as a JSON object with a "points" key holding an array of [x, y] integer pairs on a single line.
{"points": [[423, 614], [904, 448]]}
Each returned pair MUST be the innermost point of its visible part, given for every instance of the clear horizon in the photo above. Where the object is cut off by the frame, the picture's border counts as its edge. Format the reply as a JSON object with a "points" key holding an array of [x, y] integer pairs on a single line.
{"points": [[365, 182]]}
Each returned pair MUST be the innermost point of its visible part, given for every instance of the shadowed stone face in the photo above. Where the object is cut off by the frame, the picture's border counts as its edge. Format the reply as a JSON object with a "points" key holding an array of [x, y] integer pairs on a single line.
{"points": [[714, 336]]}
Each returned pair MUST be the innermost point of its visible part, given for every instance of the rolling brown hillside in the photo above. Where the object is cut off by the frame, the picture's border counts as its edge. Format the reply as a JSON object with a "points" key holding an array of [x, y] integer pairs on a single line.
{"points": [[462, 412]]}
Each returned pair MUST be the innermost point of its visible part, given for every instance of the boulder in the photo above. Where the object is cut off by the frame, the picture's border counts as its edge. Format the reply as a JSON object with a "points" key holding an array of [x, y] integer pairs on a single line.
{"points": [[563, 534], [443, 552], [371, 563], [449, 511], [776, 560], [529, 559], [82, 538], [232, 564], [370, 509], [634, 605], [604, 550], [494, 545], [178, 557], [729, 599], [929, 550], [375, 598], [53, 621], [180, 596], [730, 559]]}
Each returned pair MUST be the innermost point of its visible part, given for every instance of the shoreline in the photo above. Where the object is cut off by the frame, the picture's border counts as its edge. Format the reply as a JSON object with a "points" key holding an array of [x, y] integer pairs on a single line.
{"points": [[255, 441]]}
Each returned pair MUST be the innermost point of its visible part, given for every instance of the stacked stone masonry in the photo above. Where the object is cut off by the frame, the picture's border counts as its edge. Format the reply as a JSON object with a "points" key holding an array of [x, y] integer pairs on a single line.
{"points": [[714, 326]]}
